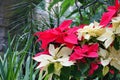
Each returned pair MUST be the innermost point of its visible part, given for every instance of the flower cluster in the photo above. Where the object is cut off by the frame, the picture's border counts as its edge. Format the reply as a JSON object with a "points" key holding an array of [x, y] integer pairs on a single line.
{"points": [[83, 51]]}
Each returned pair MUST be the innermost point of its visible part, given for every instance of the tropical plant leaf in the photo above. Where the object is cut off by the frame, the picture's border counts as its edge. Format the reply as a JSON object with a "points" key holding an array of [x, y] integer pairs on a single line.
{"points": [[65, 5], [53, 3], [73, 12]]}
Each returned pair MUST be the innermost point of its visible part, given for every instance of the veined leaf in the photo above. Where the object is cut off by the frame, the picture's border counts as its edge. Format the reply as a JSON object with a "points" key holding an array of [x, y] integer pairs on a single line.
{"points": [[65, 5], [73, 12], [105, 70], [53, 3]]}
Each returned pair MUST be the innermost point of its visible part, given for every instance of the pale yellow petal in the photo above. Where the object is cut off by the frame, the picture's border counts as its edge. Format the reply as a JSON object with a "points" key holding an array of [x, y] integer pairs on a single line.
{"points": [[87, 36], [103, 53], [43, 64], [116, 64], [102, 38], [116, 22], [117, 30], [105, 62], [65, 61], [52, 49], [90, 30], [64, 52], [43, 58], [108, 37], [108, 42]]}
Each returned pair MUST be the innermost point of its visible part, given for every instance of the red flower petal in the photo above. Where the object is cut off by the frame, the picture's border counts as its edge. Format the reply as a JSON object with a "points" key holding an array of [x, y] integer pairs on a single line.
{"points": [[117, 4], [92, 51], [71, 39], [93, 67], [112, 71], [77, 54], [64, 25], [112, 11], [106, 17], [93, 47], [91, 71], [92, 55], [72, 30]]}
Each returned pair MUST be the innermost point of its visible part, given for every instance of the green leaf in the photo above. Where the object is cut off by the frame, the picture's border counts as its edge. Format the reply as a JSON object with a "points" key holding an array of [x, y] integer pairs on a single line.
{"points": [[75, 71], [22, 54], [2, 74], [117, 43], [73, 12], [27, 72], [72, 2], [53, 3], [51, 68], [34, 75], [105, 70], [84, 68], [65, 5], [65, 73], [57, 67], [47, 77], [118, 76]]}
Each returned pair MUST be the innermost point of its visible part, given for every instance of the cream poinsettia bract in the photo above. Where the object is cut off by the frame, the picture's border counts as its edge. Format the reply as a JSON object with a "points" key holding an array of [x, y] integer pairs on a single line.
{"points": [[116, 24], [111, 57], [60, 55], [93, 30], [107, 37]]}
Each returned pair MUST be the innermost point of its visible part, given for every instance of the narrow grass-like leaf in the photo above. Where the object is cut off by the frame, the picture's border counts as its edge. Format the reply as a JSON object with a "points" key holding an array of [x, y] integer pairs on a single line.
{"points": [[27, 68], [2, 74]]}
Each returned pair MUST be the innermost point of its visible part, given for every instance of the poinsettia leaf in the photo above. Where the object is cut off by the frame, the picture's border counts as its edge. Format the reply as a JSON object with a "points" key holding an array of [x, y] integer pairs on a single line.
{"points": [[117, 43], [75, 72], [105, 70], [65, 73], [84, 68], [118, 76], [57, 67], [51, 68], [47, 77]]}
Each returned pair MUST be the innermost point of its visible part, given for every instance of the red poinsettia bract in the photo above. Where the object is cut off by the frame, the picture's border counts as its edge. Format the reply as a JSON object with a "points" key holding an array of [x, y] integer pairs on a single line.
{"points": [[89, 51], [93, 68], [62, 34], [112, 12]]}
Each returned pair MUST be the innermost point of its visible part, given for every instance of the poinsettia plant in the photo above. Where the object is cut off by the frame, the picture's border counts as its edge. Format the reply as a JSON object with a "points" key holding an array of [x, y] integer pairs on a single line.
{"points": [[84, 52]]}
